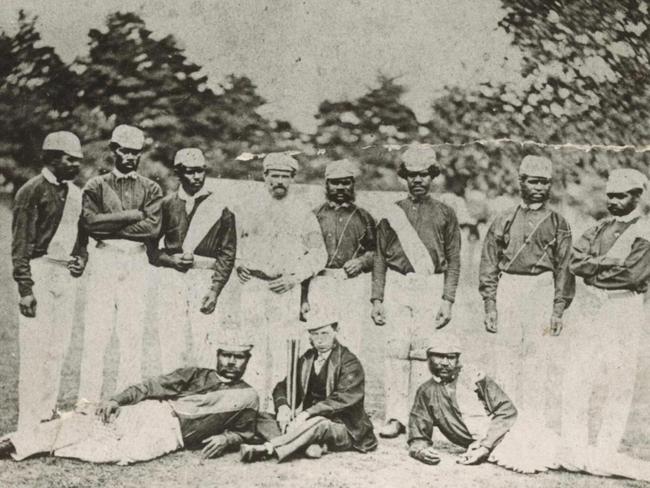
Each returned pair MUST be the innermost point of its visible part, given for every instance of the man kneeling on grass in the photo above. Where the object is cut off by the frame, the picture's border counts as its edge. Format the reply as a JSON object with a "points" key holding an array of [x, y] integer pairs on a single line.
{"points": [[472, 411], [189, 408], [330, 391]]}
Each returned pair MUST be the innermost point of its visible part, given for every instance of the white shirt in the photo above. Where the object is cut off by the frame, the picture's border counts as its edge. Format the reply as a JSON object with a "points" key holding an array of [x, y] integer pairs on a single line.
{"points": [[320, 360], [190, 200], [49, 176]]}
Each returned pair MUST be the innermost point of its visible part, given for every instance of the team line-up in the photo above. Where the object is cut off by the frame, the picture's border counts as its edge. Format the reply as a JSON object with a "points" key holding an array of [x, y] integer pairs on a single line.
{"points": [[236, 376]]}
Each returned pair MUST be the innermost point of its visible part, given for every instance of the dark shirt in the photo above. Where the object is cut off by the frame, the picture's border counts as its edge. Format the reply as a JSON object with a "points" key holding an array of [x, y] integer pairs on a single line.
{"points": [[219, 243], [37, 212], [109, 202], [316, 387], [436, 405], [204, 404], [523, 241], [437, 226], [589, 260], [349, 232]]}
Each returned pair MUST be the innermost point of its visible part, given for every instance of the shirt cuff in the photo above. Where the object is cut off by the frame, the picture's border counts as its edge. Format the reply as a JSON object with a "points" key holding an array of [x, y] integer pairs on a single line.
{"points": [[490, 305], [449, 298], [558, 308]]}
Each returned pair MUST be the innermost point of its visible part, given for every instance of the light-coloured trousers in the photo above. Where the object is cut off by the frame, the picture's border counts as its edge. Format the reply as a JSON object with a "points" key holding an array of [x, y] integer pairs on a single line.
{"points": [[271, 319], [316, 430], [117, 287], [44, 340], [411, 303], [140, 432], [524, 344], [180, 296], [347, 299], [604, 344]]}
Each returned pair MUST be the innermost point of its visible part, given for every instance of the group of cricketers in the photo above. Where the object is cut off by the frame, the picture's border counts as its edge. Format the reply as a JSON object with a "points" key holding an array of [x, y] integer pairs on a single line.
{"points": [[319, 274]]}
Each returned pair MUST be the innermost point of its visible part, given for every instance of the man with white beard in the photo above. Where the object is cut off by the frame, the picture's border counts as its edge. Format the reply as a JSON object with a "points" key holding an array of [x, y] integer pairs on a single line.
{"points": [[279, 246]]}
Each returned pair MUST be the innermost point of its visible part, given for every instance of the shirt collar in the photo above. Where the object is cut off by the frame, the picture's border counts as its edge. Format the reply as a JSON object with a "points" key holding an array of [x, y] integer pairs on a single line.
{"points": [[323, 356], [531, 206], [336, 206], [49, 176], [182, 194], [224, 380], [425, 198], [634, 214], [120, 176]]}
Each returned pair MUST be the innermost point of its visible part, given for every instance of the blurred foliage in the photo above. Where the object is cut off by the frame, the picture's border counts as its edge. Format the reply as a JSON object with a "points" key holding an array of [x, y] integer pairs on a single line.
{"points": [[585, 81]]}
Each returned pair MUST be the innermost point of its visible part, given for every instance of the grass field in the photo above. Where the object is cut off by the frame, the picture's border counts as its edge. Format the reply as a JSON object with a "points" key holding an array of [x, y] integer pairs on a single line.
{"points": [[388, 466]]}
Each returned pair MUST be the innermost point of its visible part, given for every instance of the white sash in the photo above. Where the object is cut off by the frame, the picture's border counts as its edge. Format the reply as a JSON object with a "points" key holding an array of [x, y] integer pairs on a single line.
{"points": [[205, 216], [416, 252], [623, 245], [65, 236]]}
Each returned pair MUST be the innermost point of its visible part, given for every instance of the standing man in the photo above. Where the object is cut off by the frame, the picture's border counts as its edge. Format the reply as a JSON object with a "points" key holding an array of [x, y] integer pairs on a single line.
{"points": [[524, 274], [199, 246], [121, 210], [613, 258], [418, 244], [280, 246], [45, 222], [330, 393], [350, 239]]}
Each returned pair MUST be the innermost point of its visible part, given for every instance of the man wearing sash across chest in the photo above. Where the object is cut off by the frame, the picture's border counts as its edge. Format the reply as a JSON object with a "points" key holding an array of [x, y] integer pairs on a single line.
{"points": [[524, 273], [45, 222], [613, 258], [278, 247], [120, 211], [197, 256], [349, 233], [418, 262]]}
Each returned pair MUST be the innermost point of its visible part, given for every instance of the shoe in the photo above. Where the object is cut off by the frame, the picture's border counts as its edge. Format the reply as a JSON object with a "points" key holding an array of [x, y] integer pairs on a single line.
{"points": [[392, 429], [6, 448], [314, 451], [250, 453]]}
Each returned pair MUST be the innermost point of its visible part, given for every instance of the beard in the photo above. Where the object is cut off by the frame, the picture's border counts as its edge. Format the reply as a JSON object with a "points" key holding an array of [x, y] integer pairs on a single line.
{"points": [[446, 374], [340, 196]]}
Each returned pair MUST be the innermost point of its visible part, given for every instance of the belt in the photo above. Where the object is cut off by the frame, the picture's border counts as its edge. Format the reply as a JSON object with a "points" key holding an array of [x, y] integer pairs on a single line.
{"points": [[124, 247], [261, 275], [336, 273], [615, 293]]}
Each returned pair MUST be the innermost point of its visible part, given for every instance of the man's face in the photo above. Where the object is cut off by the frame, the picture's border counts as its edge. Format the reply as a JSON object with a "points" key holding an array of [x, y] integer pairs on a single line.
{"points": [[192, 178], [340, 190], [443, 365], [620, 204], [419, 183], [322, 339], [66, 168], [534, 189], [278, 182], [231, 365], [126, 159]]}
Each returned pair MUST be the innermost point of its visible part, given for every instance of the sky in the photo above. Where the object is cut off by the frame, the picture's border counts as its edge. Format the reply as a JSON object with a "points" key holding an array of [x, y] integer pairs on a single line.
{"points": [[302, 52]]}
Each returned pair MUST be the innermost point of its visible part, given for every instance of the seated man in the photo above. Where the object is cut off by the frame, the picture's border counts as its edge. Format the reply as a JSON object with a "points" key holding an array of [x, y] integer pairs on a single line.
{"points": [[190, 407], [473, 412], [330, 392]]}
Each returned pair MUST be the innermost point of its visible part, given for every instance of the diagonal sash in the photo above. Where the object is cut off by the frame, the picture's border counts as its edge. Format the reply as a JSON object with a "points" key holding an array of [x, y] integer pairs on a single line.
{"points": [[205, 216], [65, 236], [415, 250]]}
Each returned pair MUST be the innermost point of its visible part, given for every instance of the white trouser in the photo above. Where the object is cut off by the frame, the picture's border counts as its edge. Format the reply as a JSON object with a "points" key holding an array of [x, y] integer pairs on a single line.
{"points": [[411, 303], [348, 299], [44, 340], [525, 346], [180, 296], [271, 319], [117, 287], [140, 432], [605, 339]]}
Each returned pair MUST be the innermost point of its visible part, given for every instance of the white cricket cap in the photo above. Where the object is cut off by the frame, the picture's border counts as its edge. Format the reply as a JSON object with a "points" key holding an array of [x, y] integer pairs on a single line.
{"points": [[625, 179], [190, 157], [318, 317], [63, 141], [444, 343], [234, 339], [419, 157], [280, 161], [128, 137], [538, 166], [343, 168]]}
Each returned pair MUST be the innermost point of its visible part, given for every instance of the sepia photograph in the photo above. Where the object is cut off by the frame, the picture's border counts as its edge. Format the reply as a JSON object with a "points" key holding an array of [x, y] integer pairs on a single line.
{"points": [[341, 244]]}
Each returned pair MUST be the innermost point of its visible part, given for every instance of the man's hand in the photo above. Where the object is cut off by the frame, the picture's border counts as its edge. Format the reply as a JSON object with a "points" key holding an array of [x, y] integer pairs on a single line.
{"points": [[428, 455], [76, 266], [209, 302], [283, 417], [282, 284], [215, 446], [475, 454], [444, 314], [180, 262], [304, 309], [378, 313], [353, 267], [106, 409], [490, 321], [556, 325], [243, 274], [27, 305]]}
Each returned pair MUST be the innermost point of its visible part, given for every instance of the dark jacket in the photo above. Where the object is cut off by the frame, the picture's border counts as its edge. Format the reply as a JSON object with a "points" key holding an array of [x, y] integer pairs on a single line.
{"points": [[345, 394]]}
